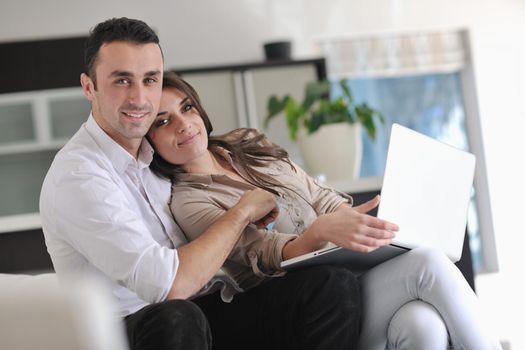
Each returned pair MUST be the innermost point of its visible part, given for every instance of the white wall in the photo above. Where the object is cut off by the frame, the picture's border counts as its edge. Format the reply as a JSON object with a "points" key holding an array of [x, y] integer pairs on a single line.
{"points": [[192, 32], [209, 32]]}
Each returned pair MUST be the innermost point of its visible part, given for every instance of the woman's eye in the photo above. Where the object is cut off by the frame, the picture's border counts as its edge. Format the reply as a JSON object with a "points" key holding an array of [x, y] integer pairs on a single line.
{"points": [[187, 107], [160, 122]]}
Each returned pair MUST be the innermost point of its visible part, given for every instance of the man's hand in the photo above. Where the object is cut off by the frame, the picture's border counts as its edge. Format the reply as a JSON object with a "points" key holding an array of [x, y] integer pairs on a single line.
{"points": [[259, 206]]}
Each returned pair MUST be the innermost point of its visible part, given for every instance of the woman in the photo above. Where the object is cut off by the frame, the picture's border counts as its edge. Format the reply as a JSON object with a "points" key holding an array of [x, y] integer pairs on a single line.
{"points": [[418, 300]]}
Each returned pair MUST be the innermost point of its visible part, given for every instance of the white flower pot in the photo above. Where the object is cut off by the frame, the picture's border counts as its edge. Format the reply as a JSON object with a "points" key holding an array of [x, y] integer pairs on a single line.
{"points": [[334, 151]]}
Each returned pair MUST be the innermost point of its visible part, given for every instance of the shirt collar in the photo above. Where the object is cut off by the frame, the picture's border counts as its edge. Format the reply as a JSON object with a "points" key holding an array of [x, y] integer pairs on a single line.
{"points": [[119, 157], [207, 179], [200, 179]]}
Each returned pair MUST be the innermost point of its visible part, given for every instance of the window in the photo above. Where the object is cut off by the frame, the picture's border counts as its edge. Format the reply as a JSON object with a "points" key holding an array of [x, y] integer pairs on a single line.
{"points": [[425, 82]]}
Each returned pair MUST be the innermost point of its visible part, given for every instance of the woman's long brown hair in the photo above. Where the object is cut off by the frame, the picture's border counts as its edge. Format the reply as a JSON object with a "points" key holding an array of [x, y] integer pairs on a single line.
{"points": [[247, 147]]}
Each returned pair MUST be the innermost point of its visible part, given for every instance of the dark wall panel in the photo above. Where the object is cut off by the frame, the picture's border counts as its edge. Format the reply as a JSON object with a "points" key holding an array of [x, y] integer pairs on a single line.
{"points": [[23, 251], [42, 64]]}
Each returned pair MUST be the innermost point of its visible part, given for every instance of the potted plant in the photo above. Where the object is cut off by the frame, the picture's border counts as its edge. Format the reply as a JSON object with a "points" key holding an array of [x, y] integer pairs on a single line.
{"points": [[328, 130]]}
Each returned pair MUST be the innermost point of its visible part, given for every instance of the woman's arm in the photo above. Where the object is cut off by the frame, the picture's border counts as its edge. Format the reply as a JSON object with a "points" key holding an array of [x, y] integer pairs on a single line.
{"points": [[200, 259], [348, 227]]}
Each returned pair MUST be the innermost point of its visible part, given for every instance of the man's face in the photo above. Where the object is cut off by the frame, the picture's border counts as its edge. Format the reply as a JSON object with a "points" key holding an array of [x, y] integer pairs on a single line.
{"points": [[128, 90]]}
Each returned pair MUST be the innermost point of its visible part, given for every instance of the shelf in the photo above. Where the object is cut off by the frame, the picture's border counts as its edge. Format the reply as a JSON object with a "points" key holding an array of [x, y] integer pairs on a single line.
{"points": [[23, 222], [29, 147], [364, 184]]}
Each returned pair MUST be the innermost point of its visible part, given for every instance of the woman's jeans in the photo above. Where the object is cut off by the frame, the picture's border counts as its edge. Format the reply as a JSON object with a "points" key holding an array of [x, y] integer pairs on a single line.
{"points": [[420, 300]]}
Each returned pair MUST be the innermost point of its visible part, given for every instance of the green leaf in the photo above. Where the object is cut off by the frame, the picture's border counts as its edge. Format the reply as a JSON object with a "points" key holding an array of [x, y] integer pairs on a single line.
{"points": [[317, 119], [318, 109], [294, 113], [346, 90], [317, 89], [274, 107], [366, 117]]}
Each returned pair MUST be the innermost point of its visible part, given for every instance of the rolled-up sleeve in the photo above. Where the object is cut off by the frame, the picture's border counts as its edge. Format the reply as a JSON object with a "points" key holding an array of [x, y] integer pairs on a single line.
{"points": [[92, 214]]}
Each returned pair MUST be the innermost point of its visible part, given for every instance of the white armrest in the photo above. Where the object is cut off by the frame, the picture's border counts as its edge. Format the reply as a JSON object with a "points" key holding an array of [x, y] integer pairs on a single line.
{"points": [[41, 312]]}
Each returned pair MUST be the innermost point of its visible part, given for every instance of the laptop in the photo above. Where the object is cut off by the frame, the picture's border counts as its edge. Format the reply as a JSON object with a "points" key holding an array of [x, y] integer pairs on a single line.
{"points": [[426, 190]]}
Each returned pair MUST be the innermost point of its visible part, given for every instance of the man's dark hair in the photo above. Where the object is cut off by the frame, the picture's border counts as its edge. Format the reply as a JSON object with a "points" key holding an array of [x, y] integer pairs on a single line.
{"points": [[115, 29]]}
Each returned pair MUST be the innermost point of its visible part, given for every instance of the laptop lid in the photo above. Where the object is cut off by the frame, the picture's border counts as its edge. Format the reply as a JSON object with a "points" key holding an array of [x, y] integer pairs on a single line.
{"points": [[426, 190]]}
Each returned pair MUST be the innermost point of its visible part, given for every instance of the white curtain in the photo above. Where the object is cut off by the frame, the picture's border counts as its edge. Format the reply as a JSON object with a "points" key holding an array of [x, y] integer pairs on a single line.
{"points": [[388, 55]]}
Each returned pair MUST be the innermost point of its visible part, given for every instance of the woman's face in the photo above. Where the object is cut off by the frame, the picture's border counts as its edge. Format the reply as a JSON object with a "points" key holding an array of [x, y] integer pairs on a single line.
{"points": [[178, 133]]}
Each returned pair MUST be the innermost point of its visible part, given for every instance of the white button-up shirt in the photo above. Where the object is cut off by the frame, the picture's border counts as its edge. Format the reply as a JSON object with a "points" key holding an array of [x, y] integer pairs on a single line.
{"points": [[105, 213]]}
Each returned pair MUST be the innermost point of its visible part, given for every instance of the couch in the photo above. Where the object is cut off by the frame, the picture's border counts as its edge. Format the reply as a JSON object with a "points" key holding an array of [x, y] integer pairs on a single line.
{"points": [[41, 312]]}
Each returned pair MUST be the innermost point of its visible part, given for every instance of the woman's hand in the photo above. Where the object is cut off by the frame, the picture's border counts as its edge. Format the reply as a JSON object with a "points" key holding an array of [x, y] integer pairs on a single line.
{"points": [[353, 228], [348, 227]]}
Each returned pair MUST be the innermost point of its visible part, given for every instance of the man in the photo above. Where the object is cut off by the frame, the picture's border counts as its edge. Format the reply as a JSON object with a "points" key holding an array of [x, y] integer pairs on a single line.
{"points": [[105, 213]]}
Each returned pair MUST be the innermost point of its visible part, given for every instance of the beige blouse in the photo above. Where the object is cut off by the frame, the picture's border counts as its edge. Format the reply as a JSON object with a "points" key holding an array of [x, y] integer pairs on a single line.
{"points": [[198, 200]]}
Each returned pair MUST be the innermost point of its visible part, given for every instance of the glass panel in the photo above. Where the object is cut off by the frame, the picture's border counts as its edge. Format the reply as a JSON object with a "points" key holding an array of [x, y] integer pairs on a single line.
{"points": [[280, 81], [21, 177], [67, 116], [16, 123], [431, 104], [217, 95]]}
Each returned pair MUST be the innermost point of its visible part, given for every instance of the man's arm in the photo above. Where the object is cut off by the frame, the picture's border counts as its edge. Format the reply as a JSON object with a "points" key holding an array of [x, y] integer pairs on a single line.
{"points": [[200, 259]]}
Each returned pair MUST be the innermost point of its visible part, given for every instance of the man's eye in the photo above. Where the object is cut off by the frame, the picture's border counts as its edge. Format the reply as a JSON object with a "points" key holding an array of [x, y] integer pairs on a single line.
{"points": [[123, 81], [160, 122], [150, 81]]}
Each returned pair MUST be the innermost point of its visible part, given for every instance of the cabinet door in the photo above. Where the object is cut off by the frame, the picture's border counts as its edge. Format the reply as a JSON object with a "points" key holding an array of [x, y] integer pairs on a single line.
{"points": [[222, 98], [261, 83], [16, 123], [67, 115], [21, 177], [33, 126]]}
